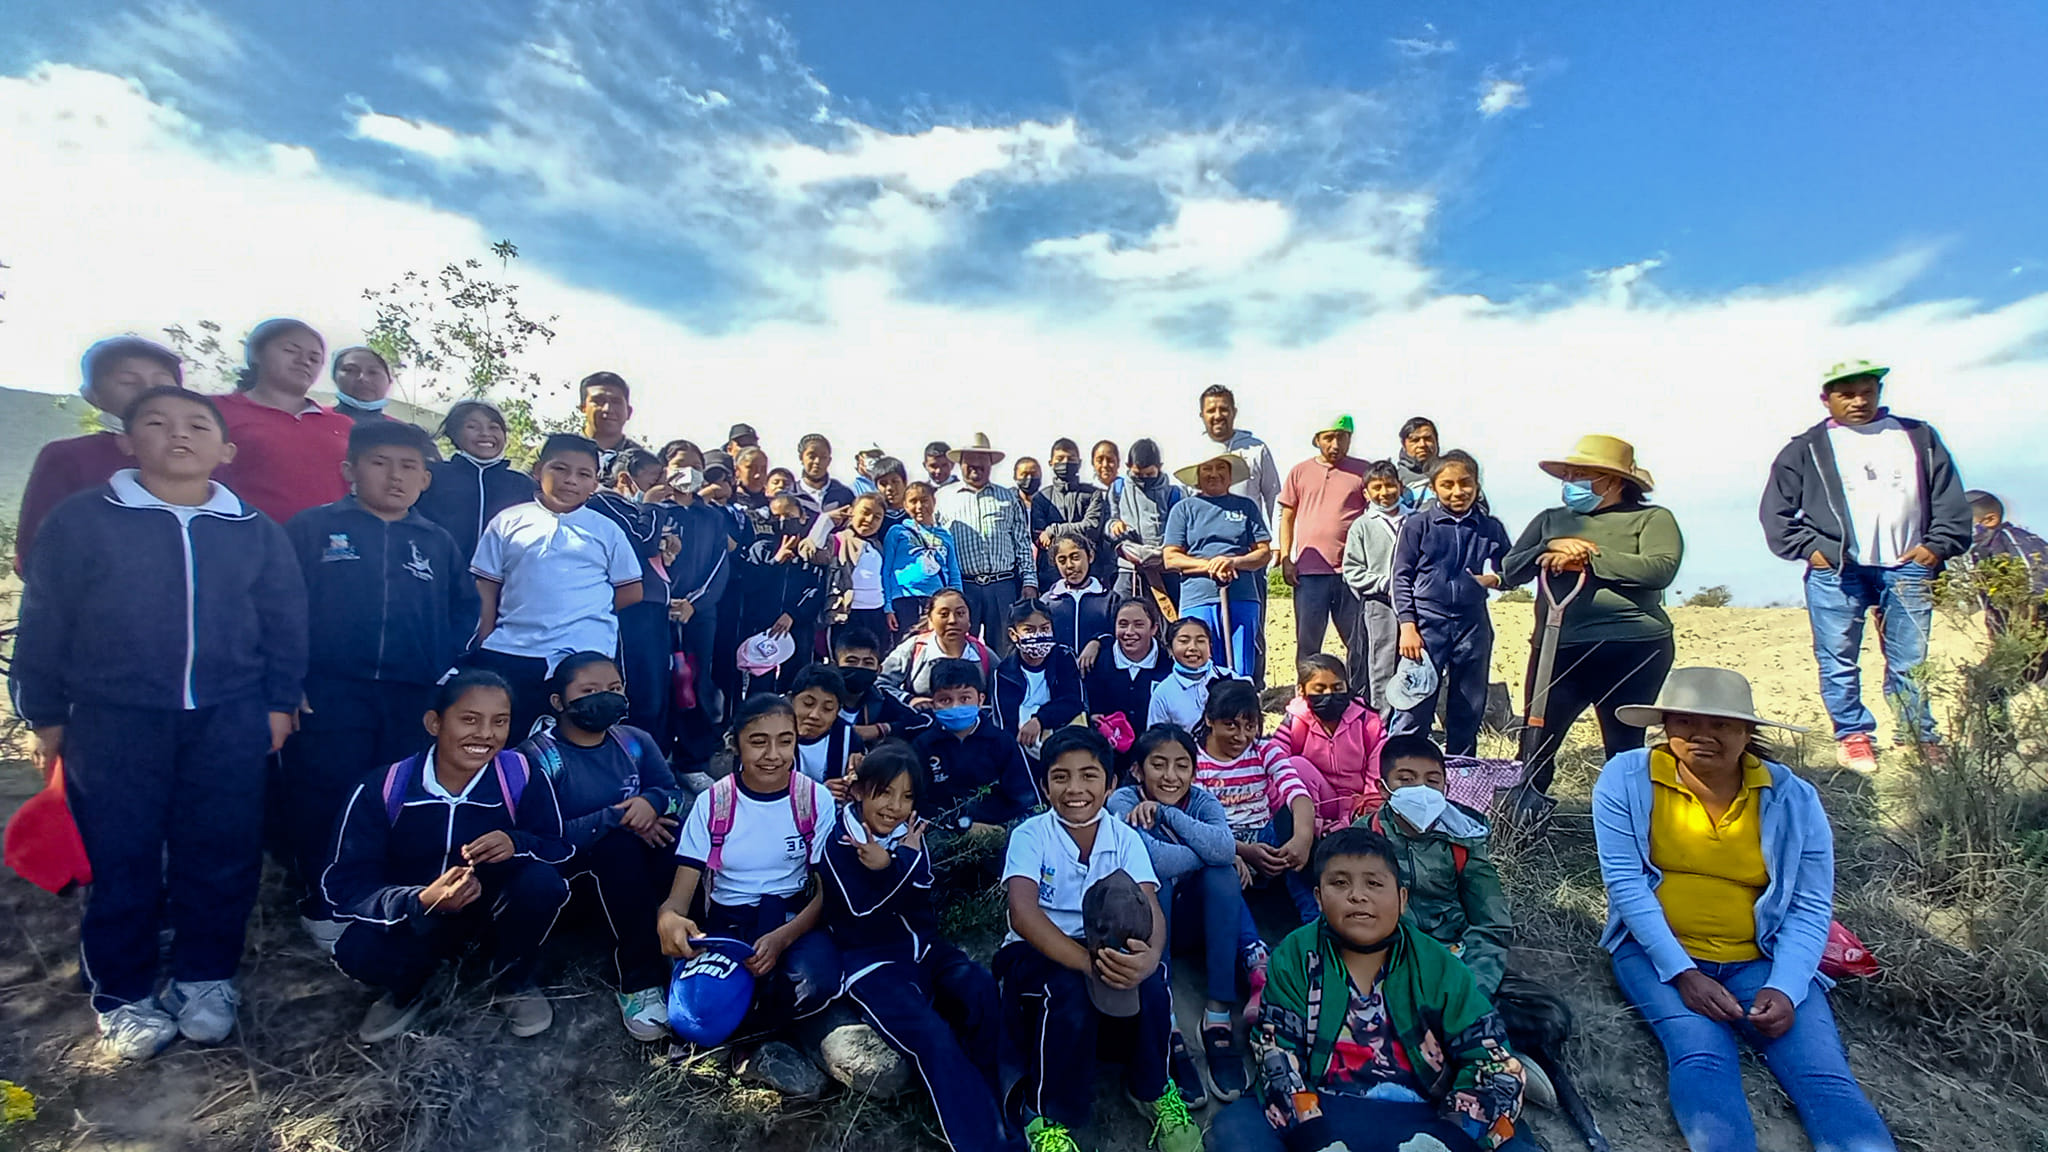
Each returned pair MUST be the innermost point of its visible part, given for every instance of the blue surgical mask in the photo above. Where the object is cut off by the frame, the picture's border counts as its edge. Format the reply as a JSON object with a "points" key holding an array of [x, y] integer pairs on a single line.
{"points": [[347, 401], [1199, 672], [958, 718], [1579, 496]]}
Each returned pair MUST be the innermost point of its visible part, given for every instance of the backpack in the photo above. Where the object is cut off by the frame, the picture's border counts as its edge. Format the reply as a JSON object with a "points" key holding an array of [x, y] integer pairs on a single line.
{"points": [[1459, 853], [725, 799], [510, 767]]}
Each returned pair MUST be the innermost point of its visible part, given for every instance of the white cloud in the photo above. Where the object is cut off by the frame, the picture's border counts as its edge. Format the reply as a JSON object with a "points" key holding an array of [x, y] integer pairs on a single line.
{"points": [[422, 137], [167, 45], [1428, 43], [1497, 95]]}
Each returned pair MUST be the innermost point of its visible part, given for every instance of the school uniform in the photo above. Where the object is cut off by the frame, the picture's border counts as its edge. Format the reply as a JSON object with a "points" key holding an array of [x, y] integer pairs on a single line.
{"points": [[858, 578], [161, 637], [1118, 684], [1435, 560], [927, 998], [401, 830], [761, 884], [1079, 615], [795, 588], [1077, 507], [820, 500], [557, 573], [1049, 693], [468, 493], [629, 876], [700, 574], [879, 706], [959, 766], [393, 608], [646, 648], [1045, 1004], [825, 757], [1178, 697]]}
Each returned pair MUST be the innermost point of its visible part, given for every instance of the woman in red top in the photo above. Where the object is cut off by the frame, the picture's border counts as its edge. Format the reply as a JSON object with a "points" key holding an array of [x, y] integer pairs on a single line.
{"points": [[288, 450]]}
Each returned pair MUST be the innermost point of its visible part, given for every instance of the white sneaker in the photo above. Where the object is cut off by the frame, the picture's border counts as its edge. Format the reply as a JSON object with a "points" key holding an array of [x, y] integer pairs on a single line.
{"points": [[1538, 1090], [529, 1012], [324, 933], [645, 1013], [136, 1031], [386, 1019], [205, 1008]]}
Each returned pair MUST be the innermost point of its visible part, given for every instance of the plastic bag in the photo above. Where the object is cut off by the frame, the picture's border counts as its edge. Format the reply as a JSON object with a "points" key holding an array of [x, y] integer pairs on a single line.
{"points": [[1845, 955]]}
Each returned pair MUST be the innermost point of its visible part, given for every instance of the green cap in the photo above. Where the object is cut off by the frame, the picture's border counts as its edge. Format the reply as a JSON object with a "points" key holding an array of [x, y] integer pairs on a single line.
{"points": [[1851, 368], [1342, 423]]}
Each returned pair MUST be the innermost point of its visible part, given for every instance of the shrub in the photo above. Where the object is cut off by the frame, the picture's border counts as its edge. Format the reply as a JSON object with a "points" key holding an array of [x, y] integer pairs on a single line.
{"points": [[1717, 596], [1277, 587], [1518, 596]]}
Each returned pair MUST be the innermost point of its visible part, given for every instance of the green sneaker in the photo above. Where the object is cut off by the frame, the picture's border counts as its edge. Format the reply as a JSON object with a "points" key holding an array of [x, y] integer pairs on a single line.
{"points": [[1045, 1136], [1173, 1127]]}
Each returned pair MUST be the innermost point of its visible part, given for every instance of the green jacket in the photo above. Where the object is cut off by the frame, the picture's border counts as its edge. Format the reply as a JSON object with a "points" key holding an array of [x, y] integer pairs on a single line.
{"points": [[1463, 909], [1640, 548], [1452, 1036]]}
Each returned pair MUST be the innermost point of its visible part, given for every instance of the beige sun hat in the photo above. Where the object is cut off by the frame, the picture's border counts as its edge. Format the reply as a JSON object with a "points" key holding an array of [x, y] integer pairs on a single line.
{"points": [[1700, 692], [1239, 470], [978, 446], [1602, 454]]}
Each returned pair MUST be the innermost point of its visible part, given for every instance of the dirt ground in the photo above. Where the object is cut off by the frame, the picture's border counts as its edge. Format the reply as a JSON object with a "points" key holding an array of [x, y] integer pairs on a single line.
{"points": [[295, 1078]]}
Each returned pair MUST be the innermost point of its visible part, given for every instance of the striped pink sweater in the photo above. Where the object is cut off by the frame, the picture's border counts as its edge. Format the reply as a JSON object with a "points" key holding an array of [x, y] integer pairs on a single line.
{"points": [[1251, 787]]}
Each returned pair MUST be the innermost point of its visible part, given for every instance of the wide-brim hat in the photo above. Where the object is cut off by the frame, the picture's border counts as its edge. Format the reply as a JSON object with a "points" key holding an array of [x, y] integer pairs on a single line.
{"points": [[1850, 369], [1720, 692], [1239, 470], [979, 446], [1608, 454]]}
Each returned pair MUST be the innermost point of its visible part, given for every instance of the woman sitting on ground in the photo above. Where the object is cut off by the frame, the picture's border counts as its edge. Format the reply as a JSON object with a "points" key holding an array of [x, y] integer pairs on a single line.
{"points": [[907, 671], [1720, 872]]}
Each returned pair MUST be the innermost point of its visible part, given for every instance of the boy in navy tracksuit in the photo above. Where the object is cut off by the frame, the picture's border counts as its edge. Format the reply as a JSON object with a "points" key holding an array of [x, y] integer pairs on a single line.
{"points": [[646, 640], [1440, 587], [875, 714], [1037, 686], [974, 771], [393, 606], [925, 996], [161, 650]]}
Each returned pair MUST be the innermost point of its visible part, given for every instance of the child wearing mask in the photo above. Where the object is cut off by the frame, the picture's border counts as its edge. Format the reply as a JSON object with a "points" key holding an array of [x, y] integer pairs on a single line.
{"points": [[974, 771], [1181, 695], [1078, 602], [552, 574], [1441, 583], [1037, 686], [875, 713], [1139, 502], [1066, 504], [477, 482], [646, 637], [1338, 740], [1375, 649], [784, 593], [1271, 813], [620, 806], [925, 996]]}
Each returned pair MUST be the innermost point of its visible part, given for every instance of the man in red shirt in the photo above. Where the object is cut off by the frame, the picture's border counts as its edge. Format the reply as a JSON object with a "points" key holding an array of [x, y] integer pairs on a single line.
{"points": [[1320, 498], [112, 374], [288, 449]]}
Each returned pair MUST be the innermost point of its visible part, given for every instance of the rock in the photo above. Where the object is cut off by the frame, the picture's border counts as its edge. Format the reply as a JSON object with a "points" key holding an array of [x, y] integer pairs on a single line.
{"points": [[778, 1066], [854, 1054]]}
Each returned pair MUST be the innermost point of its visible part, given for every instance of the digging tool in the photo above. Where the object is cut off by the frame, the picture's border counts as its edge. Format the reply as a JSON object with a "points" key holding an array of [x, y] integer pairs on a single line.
{"points": [[1532, 805], [1223, 615]]}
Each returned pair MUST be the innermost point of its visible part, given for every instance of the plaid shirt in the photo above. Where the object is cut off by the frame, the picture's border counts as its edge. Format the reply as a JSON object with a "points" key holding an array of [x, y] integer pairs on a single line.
{"points": [[990, 531]]}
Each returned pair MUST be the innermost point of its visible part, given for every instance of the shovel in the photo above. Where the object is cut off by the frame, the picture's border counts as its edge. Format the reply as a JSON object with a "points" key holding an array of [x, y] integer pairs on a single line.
{"points": [[1223, 615], [1533, 805]]}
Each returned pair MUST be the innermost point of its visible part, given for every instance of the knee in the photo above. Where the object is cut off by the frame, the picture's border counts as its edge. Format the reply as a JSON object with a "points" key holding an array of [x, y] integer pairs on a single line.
{"points": [[533, 884], [1243, 1127]]}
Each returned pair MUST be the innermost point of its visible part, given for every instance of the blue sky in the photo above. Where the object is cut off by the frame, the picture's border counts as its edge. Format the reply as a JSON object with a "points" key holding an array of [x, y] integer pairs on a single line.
{"points": [[1534, 219]]}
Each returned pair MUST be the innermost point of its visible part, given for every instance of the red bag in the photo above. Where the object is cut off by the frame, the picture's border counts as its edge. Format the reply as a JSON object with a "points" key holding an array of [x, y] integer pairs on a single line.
{"points": [[1845, 955], [42, 842], [683, 682]]}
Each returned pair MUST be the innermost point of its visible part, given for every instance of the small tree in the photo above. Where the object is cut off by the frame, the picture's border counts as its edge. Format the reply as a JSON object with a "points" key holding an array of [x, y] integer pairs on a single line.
{"points": [[210, 366], [1717, 596]]}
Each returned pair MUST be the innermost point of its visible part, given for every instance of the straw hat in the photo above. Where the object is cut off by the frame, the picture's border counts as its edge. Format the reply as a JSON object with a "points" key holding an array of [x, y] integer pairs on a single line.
{"points": [[1608, 454], [979, 446], [1700, 692], [1239, 470]]}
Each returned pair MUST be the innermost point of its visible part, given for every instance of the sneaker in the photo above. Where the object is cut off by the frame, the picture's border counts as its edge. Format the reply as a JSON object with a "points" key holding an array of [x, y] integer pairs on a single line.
{"points": [[1857, 753], [1043, 1135], [205, 1008], [529, 1012], [136, 1031], [645, 1013], [1187, 1079], [1173, 1129], [324, 933], [1538, 1089], [1226, 1062], [1255, 959], [386, 1019]]}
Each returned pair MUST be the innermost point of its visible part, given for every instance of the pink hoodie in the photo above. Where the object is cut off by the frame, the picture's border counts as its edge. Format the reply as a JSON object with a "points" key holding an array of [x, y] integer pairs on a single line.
{"points": [[1348, 760]]}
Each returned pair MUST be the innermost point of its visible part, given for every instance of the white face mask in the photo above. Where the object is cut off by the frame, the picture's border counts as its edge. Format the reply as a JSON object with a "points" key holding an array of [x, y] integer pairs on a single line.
{"points": [[479, 461], [1088, 823], [1418, 805], [348, 401]]}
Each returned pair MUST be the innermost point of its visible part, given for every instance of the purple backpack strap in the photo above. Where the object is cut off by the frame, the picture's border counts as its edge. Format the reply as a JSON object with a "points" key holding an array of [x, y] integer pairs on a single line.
{"points": [[394, 788], [724, 799], [512, 777]]}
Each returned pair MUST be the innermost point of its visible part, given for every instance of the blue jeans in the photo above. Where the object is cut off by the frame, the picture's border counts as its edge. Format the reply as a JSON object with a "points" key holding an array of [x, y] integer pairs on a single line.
{"points": [[1706, 1074], [1209, 903], [1836, 601], [1247, 625]]}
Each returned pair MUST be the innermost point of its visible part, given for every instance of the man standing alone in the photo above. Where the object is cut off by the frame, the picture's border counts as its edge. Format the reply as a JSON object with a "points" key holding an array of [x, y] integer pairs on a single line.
{"points": [[993, 538], [1320, 498], [1871, 504]]}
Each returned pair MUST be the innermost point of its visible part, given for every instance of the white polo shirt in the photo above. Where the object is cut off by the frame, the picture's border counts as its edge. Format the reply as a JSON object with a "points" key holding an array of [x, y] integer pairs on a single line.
{"points": [[765, 854], [1042, 850], [558, 575]]}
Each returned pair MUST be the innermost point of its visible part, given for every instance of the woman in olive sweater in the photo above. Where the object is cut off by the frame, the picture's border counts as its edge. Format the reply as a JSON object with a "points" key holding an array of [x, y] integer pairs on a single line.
{"points": [[1616, 645]]}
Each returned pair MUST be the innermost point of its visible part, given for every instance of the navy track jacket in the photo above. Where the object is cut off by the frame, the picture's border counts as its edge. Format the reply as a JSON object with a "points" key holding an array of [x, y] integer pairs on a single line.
{"points": [[390, 600]]}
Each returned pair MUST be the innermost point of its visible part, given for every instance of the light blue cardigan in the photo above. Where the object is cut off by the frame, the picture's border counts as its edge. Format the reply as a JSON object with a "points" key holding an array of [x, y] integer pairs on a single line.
{"points": [[1792, 915]]}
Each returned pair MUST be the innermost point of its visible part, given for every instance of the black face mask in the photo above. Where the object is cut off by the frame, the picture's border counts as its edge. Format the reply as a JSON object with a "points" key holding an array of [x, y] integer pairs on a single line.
{"points": [[1329, 708], [1068, 471], [1028, 485], [859, 680], [1152, 485], [793, 527], [597, 712]]}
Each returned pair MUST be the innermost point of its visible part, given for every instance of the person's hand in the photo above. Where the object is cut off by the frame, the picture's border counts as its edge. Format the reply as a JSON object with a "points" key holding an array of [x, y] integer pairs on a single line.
{"points": [[1029, 732], [677, 932], [1574, 546], [305, 709], [661, 835], [767, 951], [451, 891], [1705, 995], [840, 515], [1922, 555], [921, 703], [1126, 968], [890, 617], [1487, 579], [1411, 641], [1263, 858], [914, 839], [1086, 659], [658, 494], [1045, 538], [671, 547], [837, 787], [782, 625], [1117, 528], [636, 815], [874, 855], [787, 551], [1288, 572], [1244, 872], [45, 745], [282, 725], [1030, 592], [1771, 1013], [1819, 560], [680, 611], [493, 847], [1296, 850], [1220, 569], [1555, 562], [1145, 815]]}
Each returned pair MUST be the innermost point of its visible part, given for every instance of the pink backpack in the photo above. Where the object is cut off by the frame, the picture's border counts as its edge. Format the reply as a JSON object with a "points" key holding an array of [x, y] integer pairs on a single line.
{"points": [[725, 800]]}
